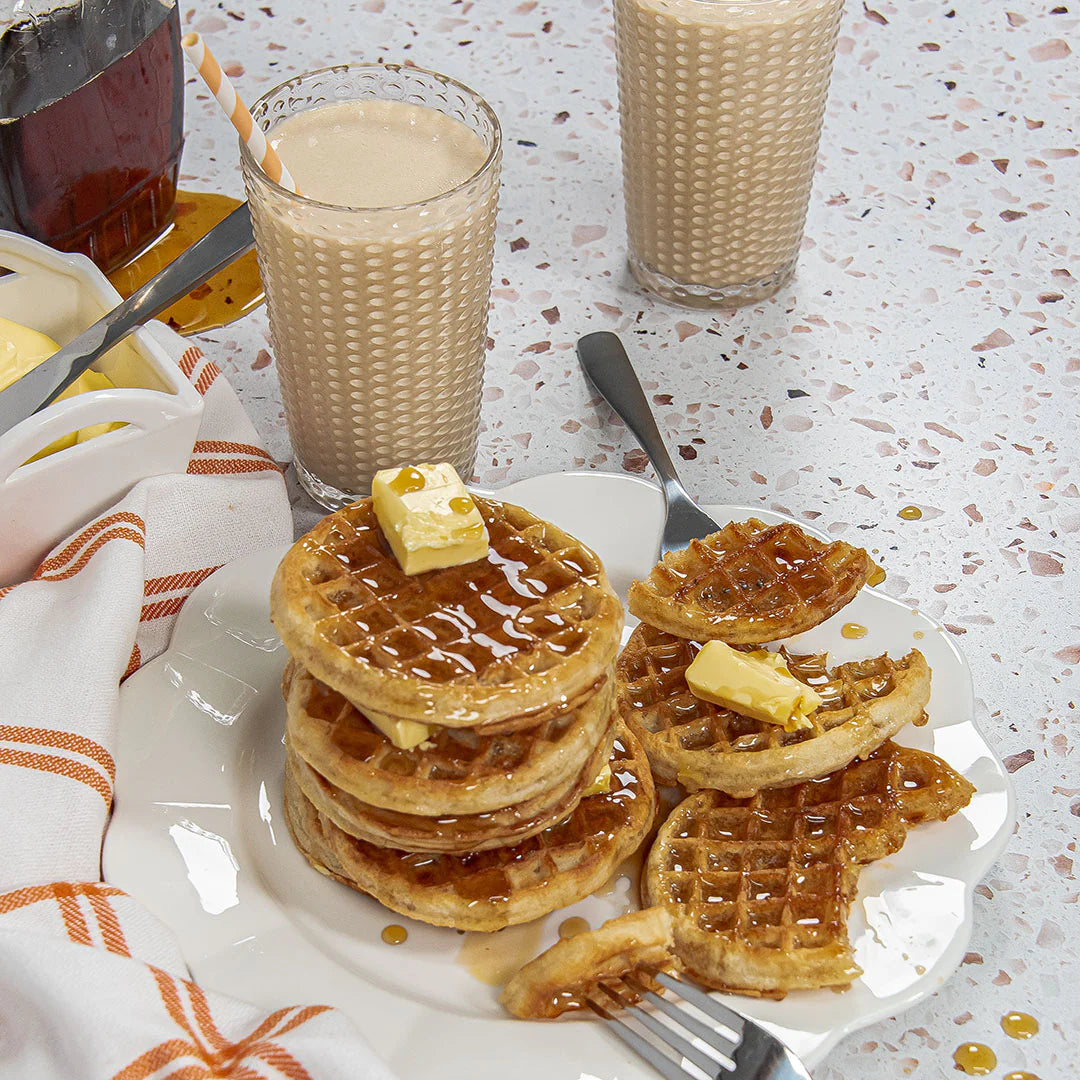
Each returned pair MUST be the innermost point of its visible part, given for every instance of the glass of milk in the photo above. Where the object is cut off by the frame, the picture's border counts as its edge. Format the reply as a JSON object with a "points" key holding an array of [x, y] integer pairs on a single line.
{"points": [[378, 275], [721, 103]]}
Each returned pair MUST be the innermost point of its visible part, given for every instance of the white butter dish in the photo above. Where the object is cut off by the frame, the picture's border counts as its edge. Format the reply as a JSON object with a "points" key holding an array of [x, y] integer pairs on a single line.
{"points": [[44, 501]]}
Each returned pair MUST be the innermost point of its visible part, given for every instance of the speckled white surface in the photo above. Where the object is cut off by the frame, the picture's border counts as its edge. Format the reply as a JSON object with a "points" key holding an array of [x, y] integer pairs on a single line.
{"points": [[926, 354]]}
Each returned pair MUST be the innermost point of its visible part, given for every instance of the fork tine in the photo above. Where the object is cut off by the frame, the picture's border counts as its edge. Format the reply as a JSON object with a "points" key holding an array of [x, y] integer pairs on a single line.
{"points": [[706, 1034], [708, 1005], [664, 1065], [682, 1047]]}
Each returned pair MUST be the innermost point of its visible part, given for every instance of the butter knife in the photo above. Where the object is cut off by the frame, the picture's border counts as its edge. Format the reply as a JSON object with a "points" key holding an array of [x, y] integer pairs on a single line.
{"points": [[223, 244]]}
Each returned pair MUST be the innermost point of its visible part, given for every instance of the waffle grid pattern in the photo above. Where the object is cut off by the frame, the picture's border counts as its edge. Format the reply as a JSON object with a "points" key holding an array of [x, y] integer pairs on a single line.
{"points": [[656, 698], [526, 611], [456, 770], [750, 583], [776, 873]]}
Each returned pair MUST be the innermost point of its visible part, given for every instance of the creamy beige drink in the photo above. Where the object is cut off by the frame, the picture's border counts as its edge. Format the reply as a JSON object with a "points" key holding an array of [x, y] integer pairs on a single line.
{"points": [[721, 104], [378, 276]]}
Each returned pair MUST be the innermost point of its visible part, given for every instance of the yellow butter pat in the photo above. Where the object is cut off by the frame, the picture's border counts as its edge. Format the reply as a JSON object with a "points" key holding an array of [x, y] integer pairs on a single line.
{"points": [[601, 785], [428, 518], [404, 734], [21, 350], [756, 684]]}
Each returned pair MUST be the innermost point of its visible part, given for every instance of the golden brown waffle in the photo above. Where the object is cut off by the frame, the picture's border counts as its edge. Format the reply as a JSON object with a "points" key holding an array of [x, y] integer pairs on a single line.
{"points": [[492, 889], [760, 888], [457, 770], [448, 833], [533, 624], [702, 745], [750, 583], [562, 979]]}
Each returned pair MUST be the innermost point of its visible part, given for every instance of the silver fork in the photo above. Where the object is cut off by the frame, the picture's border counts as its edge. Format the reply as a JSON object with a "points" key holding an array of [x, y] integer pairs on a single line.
{"points": [[731, 1047], [608, 367]]}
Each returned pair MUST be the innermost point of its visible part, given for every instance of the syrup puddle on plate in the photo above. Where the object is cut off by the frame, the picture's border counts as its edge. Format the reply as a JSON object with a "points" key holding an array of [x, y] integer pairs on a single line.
{"points": [[493, 958]]}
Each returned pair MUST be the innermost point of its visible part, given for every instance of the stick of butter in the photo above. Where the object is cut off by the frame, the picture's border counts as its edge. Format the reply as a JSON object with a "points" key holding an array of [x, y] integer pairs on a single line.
{"points": [[756, 684], [428, 518]]}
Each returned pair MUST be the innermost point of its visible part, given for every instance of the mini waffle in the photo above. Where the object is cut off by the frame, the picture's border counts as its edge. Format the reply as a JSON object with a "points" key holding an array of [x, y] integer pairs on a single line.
{"points": [[703, 745], [534, 624], [760, 888], [587, 965], [448, 833], [492, 889], [750, 583], [458, 770]]}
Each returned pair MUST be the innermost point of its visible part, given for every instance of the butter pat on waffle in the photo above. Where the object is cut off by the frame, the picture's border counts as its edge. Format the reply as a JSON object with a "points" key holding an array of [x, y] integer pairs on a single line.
{"points": [[563, 978], [533, 623], [750, 583], [700, 744], [759, 889], [506, 885]]}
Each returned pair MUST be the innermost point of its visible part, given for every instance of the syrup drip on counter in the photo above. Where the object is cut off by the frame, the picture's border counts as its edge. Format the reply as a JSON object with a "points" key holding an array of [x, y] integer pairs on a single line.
{"points": [[1018, 1025], [974, 1059], [853, 631], [493, 958], [1020, 1074], [395, 935], [573, 926], [226, 297], [910, 513]]}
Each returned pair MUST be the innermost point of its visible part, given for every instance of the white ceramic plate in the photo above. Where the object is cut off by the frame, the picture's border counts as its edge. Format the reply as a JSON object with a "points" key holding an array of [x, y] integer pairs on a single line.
{"points": [[197, 835]]}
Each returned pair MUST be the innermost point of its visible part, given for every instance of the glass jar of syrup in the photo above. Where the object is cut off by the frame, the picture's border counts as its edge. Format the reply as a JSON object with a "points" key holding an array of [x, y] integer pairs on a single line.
{"points": [[91, 122]]}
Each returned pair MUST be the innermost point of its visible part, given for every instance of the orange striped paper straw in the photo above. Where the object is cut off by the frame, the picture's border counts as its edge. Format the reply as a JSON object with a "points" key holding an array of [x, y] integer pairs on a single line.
{"points": [[237, 112]]}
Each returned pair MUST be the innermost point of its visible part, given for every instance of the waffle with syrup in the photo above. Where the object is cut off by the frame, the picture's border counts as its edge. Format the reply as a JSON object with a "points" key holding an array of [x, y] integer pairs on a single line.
{"points": [[760, 888], [750, 583], [452, 833], [618, 958], [455, 770], [700, 744], [534, 623], [503, 886]]}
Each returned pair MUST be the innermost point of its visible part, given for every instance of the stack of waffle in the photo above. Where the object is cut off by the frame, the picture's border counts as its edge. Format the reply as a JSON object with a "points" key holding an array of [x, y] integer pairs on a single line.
{"points": [[522, 790], [749, 882]]}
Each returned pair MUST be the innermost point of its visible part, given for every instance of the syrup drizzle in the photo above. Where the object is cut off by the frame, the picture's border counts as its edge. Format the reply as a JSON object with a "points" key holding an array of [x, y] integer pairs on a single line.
{"points": [[1019, 1025], [853, 631], [909, 513], [975, 1059], [573, 926], [408, 480], [395, 934]]}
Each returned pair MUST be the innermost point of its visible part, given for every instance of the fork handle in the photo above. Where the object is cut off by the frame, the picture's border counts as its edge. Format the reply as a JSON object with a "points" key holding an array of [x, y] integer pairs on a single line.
{"points": [[608, 367]]}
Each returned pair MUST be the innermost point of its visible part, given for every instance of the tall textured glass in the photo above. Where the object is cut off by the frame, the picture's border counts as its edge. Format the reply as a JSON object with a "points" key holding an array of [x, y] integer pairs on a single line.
{"points": [[721, 104], [378, 317]]}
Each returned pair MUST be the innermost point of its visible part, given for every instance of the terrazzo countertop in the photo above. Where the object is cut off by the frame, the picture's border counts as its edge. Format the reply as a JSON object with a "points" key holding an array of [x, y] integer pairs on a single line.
{"points": [[925, 354]]}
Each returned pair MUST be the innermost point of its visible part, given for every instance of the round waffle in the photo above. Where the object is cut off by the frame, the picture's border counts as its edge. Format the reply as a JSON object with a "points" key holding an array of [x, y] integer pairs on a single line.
{"points": [[760, 888], [583, 968], [750, 583], [492, 889], [703, 745], [457, 770], [450, 833], [533, 624]]}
